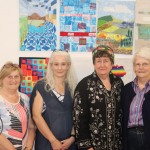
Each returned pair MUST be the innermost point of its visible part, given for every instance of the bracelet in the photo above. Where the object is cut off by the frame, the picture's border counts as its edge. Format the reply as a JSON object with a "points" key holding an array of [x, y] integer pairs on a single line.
{"points": [[27, 148], [72, 135]]}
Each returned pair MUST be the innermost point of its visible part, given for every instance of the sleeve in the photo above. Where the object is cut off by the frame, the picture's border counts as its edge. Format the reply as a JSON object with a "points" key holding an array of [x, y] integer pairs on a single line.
{"points": [[40, 87], [26, 101], [81, 115]]}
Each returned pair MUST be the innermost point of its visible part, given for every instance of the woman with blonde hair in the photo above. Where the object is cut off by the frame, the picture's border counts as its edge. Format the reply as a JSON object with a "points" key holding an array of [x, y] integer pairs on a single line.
{"points": [[51, 104], [16, 127], [136, 104]]}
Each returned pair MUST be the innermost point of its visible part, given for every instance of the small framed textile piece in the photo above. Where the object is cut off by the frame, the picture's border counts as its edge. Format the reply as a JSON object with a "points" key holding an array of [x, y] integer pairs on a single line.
{"points": [[33, 68]]}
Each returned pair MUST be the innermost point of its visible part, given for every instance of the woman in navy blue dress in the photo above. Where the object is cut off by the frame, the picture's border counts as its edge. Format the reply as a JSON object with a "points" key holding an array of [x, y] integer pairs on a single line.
{"points": [[51, 105]]}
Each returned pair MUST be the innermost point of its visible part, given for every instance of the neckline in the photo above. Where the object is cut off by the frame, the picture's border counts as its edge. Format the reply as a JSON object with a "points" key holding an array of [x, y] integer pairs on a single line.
{"points": [[58, 92], [4, 99]]}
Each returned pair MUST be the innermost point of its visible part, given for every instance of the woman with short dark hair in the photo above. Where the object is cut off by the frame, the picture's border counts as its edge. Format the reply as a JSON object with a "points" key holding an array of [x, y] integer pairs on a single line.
{"points": [[97, 111]]}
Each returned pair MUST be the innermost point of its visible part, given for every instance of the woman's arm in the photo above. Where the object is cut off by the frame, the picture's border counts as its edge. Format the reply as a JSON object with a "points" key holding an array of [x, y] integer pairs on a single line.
{"points": [[31, 134], [81, 115], [41, 124], [5, 144]]}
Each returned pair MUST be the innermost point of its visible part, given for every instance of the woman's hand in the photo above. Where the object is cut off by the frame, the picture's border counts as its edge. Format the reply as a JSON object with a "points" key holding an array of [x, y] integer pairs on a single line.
{"points": [[56, 145], [67, 142]]}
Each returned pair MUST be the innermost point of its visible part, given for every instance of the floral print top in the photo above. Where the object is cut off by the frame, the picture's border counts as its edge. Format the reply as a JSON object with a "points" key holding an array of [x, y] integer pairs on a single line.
{"points": [[98, 114]]}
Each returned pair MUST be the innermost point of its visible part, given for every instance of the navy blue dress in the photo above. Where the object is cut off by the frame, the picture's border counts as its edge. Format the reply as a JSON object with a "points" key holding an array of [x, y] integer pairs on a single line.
{"points": [[58, 116]]}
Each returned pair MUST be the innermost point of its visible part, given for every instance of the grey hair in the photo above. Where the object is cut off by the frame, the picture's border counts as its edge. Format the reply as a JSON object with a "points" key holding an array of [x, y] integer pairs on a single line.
{"points": [[143, 52], [70, 78]]}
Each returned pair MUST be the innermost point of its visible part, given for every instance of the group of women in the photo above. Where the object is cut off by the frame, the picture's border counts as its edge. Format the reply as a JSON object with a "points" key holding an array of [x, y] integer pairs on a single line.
{"points": [[99, 113]]}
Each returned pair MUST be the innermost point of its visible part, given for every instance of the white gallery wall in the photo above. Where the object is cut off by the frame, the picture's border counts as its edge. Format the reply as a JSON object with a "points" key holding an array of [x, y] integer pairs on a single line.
{"points": [[9, 45]]}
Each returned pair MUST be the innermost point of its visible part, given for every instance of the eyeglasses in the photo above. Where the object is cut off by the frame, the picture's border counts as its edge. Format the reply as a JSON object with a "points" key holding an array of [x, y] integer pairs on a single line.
{"points": [[13, 77], [144, 65]]}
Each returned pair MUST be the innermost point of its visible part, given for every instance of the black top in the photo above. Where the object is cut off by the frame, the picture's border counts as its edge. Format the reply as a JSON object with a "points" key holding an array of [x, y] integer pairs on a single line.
{"points": [[97, 113]]}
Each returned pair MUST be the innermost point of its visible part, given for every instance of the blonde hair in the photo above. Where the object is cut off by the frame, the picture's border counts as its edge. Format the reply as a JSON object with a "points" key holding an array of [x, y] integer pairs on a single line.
{"points": [[7, 69], [70, 77], [143, 52]]}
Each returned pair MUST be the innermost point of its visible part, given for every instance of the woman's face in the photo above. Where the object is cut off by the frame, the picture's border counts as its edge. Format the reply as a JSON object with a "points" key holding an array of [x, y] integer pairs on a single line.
{"points": [[102, 66], [142, 67], [12, 81], [60, 66]]}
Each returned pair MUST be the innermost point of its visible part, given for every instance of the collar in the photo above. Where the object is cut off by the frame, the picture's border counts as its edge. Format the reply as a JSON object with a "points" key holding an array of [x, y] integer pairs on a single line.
{"points": [[135, 82]]}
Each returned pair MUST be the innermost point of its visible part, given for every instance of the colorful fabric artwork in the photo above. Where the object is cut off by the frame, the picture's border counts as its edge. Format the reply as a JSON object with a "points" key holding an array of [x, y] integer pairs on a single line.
{"points": [[33, 69], [118, 71], [37, 25], [115, 25], [77, 25], [144, 31]]}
